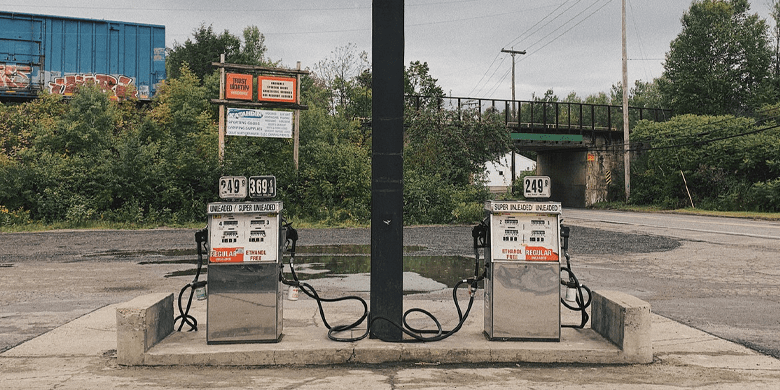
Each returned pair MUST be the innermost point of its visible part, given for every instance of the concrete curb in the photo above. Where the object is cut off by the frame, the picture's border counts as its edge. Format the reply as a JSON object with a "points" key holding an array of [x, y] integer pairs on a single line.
{"points": [[621, 335], [624, 320], [140, 324]]}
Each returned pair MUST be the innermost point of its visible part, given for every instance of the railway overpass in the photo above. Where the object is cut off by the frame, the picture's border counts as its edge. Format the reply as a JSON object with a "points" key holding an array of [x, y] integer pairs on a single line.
{"points": [[579, 145]]}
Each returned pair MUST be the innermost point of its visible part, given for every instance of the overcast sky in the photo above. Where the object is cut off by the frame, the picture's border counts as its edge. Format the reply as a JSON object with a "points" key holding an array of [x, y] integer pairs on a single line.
{"points": [[572, 45]]}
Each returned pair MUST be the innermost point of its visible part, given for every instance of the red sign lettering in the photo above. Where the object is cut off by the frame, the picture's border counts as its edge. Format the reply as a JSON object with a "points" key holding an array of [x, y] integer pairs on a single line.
{"points": [[226, 255]]}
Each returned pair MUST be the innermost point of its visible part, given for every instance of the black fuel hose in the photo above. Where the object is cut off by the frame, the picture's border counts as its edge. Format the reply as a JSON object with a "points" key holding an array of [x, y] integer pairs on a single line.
{"points": [[440, 334], [417, 335], [201, 237], [582, 303]]}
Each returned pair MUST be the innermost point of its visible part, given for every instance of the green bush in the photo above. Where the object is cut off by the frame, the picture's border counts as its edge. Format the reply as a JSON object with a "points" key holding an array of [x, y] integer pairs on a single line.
{"points": [[720, 163], [764, 196], [16, 217]]}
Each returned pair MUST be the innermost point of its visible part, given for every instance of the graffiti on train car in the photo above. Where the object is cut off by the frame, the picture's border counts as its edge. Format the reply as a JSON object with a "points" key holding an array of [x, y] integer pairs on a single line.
{"points": [[15, 76], [66, 85]]}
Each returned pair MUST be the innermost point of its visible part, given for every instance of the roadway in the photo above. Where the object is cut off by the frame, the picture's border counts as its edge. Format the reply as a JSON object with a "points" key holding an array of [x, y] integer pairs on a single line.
{"points": [[723, 278]]}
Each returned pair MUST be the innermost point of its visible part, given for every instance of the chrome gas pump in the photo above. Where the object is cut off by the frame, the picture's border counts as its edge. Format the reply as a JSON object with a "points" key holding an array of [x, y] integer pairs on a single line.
{"points": [[522, 284], [245, 292]]}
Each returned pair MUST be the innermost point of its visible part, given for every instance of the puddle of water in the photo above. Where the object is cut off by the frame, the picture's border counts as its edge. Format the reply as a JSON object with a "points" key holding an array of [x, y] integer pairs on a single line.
{"points": [[329, 261], [347, 249], [448, 270], [161, 252]]}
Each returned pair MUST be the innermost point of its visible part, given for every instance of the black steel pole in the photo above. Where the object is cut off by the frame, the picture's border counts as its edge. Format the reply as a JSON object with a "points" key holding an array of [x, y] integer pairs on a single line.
{"points": [[387, 187]]}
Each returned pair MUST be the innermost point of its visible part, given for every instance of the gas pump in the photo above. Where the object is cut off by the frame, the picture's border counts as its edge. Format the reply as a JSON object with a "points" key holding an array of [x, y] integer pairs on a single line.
{"points": [[524, 244], [522, 286], [245, 258]]}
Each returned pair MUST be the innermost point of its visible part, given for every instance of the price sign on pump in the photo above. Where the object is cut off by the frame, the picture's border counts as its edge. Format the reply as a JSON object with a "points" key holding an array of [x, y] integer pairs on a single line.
{"points": [[536, 186], [262, 187], [232, 187]]}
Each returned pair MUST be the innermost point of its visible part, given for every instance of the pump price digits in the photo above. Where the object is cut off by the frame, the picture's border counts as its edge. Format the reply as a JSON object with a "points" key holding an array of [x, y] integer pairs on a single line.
{"points": [[232, 187], [238, 187], [262, 186], [536, 186]]}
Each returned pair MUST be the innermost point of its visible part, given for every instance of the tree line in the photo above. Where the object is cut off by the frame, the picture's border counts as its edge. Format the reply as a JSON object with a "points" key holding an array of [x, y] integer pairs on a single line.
{"points": [[721, 148], [97, 158], [722, 80]]}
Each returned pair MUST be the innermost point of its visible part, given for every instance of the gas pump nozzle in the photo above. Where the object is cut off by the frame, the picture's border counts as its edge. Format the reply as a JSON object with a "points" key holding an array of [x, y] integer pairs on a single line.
{"points": [[196, 287], [574, 289], [202, 235], [292, 237], [479, 233], [572, 283]]}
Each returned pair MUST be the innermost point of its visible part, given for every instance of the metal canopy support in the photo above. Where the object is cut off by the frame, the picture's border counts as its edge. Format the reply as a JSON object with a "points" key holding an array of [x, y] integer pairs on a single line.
{"points": [[387, 168]]}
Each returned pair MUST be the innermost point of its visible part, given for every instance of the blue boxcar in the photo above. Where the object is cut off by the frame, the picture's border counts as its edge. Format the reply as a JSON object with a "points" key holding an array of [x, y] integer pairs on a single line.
{"points": [[54, 53]]}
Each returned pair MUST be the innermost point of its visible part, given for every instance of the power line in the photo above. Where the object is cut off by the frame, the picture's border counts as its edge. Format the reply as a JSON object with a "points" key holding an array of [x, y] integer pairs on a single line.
{"points": [[494, 72], [570, 28], [697, 142], [477, 85], [579, 14], [512, 42], [492, 90], [639, 42], [498, 84], [486, 72]]}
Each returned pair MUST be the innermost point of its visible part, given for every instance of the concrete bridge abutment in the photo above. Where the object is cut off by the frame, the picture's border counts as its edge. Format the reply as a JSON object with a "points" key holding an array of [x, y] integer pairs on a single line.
{"points": [[582, 176]]}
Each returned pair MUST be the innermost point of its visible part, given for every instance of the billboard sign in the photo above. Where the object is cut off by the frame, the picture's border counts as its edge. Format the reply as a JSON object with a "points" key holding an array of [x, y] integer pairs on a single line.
{"points": [[259, 123]]}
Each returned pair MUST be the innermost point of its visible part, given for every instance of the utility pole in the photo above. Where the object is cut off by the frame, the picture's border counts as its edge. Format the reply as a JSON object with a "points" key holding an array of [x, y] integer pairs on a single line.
{"points": [[221, 127], [513, 52], [626, 147], [297, 119]]}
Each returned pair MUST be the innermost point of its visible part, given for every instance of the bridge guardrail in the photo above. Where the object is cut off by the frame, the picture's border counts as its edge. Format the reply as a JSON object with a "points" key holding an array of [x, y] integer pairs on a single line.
{"points": [[536, 116]]}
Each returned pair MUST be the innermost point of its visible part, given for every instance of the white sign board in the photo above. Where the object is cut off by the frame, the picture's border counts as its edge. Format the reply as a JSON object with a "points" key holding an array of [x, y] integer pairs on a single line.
{"points": [[536, 186], [259, 123], [232, 187]]}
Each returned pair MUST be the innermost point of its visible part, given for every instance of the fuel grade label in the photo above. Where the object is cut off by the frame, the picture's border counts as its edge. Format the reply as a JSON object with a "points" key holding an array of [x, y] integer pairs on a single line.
{"points": [[226, 255]]}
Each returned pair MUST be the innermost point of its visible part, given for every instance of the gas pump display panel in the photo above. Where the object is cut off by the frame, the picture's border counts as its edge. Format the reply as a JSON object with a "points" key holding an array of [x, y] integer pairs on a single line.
{"points": [[522, 290], [244, 291], [244, 232], [521, 236]]}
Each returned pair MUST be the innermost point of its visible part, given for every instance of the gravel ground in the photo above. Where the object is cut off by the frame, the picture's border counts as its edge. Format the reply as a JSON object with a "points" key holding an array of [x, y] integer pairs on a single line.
{"points": [[112, 245], [456, 240]]}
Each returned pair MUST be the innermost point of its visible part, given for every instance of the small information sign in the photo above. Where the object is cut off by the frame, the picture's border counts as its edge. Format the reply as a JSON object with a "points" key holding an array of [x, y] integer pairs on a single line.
{"points": [[238, 86], [276, 89]]}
